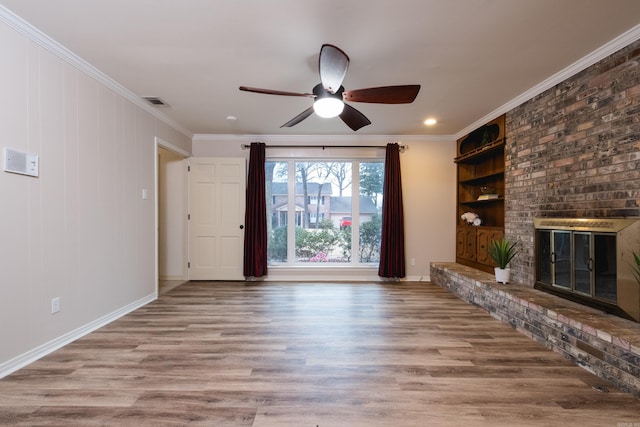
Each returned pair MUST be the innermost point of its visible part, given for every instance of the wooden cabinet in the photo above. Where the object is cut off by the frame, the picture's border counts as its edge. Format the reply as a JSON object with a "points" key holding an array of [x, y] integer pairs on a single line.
{"points": [[484, 236], [466, 243], [472, 243], [480, 190]]}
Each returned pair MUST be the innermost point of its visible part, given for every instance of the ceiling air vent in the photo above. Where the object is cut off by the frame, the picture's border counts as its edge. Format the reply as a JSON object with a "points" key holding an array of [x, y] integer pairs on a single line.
{"points": [[155, 101]]}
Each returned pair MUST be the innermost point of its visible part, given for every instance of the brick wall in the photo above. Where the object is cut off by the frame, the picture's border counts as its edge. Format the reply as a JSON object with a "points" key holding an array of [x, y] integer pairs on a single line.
{"points": [[574, 151]]}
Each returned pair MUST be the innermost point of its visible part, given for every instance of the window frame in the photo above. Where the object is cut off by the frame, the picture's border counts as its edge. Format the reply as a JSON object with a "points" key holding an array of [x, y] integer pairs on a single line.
{"points": [[356, 162]]}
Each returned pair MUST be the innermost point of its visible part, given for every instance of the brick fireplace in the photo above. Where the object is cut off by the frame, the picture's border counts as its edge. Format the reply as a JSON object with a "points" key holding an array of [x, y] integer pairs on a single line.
{"points": [[574, 152], [571, 152]]}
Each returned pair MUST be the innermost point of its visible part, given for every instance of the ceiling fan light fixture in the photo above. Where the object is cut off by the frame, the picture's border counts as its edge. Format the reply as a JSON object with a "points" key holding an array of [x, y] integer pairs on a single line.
{"points": [[329, 101], [327, 104], [328, 107]]}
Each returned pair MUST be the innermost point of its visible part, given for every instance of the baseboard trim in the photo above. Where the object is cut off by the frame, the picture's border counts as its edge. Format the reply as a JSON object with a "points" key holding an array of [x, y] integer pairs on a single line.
{"points": [[31, 356], [172, 278]]}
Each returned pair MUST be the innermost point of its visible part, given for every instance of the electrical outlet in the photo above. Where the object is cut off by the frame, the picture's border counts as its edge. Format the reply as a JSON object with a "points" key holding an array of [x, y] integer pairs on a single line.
{"points": [[413, 261], [55, 305]]}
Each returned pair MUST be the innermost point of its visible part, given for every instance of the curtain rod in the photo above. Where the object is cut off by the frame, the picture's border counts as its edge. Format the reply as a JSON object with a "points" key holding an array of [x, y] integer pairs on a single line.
{"points": [[247, 146]]}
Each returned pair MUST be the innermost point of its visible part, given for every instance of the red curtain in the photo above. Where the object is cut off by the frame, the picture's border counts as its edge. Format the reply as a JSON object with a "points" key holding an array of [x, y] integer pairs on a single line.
{"points": [[255, 218], [392, 262]]}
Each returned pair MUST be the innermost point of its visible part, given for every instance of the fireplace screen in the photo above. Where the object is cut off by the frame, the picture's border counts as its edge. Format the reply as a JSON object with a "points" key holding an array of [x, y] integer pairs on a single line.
{"points": [[581, 262], [588, 261]]}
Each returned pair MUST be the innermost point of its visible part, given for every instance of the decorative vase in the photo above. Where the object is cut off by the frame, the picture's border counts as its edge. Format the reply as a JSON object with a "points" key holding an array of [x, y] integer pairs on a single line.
{"points": [[502, 275]]}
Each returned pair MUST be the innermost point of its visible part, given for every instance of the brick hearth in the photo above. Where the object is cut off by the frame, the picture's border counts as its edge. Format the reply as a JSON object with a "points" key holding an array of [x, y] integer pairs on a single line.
{"points": [[605, 345]]}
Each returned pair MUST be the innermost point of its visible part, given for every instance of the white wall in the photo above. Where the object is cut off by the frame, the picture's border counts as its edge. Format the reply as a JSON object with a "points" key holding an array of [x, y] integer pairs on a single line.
{"points": [[81, 230], [428, 191], [428, 181]]}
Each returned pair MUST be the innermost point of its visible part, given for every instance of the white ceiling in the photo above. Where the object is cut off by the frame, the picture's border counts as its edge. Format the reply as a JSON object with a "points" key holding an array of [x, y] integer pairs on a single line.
{"points": [[470, 56]]}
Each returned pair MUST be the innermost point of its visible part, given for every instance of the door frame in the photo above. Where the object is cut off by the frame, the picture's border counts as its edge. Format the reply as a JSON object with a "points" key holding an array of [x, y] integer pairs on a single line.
{"points": [[161, 143]]}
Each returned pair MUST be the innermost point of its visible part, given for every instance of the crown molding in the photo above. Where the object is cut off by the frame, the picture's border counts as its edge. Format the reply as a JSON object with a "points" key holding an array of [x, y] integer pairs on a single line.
{"points": [[611, 47], [37, 36], [46, 42], [321, 139]]}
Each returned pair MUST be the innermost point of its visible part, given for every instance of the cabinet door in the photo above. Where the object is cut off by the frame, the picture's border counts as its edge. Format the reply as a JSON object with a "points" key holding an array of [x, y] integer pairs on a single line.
{"points": [[461, 242], [485, 237], [466, 243], [471, 244]]}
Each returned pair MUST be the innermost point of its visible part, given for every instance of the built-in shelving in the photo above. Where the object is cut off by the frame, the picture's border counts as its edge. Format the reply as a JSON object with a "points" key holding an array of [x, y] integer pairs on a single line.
{"points": [[477, 153], [480, 170], [481, 202], [482, 178]]}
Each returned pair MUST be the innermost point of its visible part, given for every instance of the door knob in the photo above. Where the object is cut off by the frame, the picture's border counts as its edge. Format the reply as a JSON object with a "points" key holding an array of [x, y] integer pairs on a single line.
{"points": [[241, 227]]}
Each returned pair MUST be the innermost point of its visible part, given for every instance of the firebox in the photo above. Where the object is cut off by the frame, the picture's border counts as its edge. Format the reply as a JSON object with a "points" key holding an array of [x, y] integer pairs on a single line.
{"points": [[590, 261]]}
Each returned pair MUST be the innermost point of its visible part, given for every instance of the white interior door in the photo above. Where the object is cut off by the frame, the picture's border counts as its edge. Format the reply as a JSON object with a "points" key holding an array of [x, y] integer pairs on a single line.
{"points": [[216, 218]]}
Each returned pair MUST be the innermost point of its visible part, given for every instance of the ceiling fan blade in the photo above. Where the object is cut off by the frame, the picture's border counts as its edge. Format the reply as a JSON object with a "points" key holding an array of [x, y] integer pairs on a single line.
{"points": [[275, 92], [353, 118], [404, 94], [297, 119], [333, 64]]}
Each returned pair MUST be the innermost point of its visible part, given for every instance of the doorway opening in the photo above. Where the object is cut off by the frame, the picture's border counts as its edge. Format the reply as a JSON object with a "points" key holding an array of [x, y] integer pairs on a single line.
{"points": [[170, 217]]}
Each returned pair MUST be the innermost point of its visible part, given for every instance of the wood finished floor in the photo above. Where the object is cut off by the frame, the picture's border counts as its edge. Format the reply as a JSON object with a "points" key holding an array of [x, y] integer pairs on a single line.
{"points": [[309, 354]]}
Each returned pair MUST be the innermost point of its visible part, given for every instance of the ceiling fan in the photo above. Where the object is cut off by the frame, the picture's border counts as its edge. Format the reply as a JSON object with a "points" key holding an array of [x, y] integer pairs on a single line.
{"points": [[329, 95]]}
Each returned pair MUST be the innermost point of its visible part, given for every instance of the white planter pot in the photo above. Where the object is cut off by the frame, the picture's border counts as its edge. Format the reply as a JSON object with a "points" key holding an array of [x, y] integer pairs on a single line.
{"points": [[502, 275]]}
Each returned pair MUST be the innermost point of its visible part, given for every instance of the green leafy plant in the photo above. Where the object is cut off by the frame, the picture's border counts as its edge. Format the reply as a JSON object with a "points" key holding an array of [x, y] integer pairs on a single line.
{"points": [[309, 243], [370, 239], [278, 244], [636, 268], [502, 252]]}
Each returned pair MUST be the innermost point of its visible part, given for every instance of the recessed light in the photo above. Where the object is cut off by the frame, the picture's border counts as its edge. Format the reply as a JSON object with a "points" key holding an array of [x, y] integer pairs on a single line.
{"points": [[232, 118], [430, 122]]}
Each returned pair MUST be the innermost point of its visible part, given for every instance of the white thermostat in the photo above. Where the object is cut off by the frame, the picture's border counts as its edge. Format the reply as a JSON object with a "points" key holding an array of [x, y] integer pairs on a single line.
{"points": [[20, 162]]}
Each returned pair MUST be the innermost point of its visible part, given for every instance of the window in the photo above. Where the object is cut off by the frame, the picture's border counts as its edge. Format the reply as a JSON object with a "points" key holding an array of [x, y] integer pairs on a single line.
{"points": [[327, 215], [371, 185]]}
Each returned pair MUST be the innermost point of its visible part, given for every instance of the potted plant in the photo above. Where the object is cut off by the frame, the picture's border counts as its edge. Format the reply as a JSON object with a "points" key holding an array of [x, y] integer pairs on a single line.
{"points": [[636, 267], [502, 252]]}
